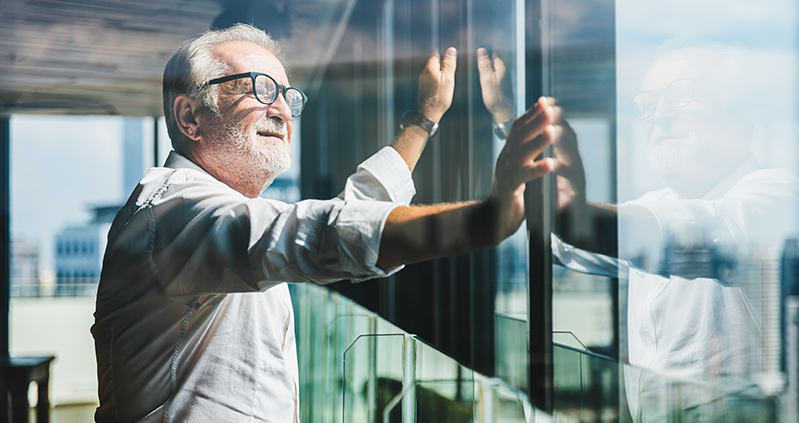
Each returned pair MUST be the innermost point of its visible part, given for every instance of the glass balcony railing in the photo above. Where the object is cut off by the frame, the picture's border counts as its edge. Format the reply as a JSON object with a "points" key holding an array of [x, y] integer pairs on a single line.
{"points": [[357, 367], [510, 350], [62, 287], [592, 388]]}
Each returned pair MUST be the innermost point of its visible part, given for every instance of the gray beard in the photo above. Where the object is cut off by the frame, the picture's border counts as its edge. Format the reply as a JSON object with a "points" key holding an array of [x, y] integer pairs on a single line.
{"points": [[686, 158], [251, 156]]}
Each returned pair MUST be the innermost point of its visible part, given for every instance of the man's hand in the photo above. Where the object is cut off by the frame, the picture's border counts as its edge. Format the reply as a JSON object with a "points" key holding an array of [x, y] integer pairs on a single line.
{"points": [[568, 167], [437, 84], [530, 135], [497, 93], [578, 220]]}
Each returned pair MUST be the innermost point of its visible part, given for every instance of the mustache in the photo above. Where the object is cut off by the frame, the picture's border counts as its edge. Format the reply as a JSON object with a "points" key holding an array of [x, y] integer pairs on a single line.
{"points": [[669, 129], [271, 125]]}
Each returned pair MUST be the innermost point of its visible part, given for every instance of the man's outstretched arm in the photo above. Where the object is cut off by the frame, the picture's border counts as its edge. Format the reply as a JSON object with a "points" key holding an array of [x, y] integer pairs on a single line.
{"points": [[419, 233], [436, 86]]}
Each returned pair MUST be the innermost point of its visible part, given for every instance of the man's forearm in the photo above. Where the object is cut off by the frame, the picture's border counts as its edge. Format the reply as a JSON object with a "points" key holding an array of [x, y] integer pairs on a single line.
{"points": [[410, 144], [413, 234], [436, 87], [419, 233]]}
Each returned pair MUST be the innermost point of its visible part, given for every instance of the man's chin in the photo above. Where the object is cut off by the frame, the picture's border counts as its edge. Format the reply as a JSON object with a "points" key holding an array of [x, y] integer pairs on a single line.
{"points": [[670, 159], [273, 169], [267, 184]]}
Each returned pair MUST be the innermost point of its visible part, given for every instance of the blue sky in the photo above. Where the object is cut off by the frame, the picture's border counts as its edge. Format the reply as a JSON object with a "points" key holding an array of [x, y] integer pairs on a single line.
{"points": [[59, 166]]}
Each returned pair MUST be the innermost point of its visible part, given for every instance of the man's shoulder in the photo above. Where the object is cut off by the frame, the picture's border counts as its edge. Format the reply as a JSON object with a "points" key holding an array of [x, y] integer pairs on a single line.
{"points": [[186, 194], [772, 175], [658, 194], [773, 182], [186, 184]]}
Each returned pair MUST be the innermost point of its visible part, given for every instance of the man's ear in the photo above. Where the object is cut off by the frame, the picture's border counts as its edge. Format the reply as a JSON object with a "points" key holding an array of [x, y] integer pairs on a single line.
{"points": [[185, 109]]}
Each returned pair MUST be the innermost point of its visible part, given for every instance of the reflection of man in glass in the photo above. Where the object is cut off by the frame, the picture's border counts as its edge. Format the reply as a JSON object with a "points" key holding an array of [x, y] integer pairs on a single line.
{"points": [[693, 141], [699, 256]]}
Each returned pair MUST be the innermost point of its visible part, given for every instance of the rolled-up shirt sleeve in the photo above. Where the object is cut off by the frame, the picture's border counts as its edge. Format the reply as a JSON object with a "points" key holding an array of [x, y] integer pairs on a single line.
{"points": [[326, 241], [207, 238], [587, 262], [320, 241], [383, 177]]}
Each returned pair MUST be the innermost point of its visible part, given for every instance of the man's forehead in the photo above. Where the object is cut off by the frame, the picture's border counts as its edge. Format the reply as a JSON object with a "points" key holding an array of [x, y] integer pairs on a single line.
{"points": [[242, 56], [679, 64]]}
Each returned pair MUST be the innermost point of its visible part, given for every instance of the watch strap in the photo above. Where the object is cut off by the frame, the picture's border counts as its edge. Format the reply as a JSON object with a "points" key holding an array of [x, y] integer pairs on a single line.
{"points": [[412, 117]]}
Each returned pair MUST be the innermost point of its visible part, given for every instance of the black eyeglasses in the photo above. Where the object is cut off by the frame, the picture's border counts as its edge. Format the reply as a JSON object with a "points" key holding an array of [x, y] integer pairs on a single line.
{"points": [[267, 89], [678, 94]]}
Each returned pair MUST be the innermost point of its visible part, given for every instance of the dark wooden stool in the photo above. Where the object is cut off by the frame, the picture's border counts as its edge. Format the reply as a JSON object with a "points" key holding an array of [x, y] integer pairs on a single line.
{"points": [[21, 371]]}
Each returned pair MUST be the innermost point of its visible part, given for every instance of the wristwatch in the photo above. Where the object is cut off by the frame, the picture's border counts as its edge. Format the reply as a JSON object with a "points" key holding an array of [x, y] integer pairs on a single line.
{"points": [[412, 117], [503, 129]]}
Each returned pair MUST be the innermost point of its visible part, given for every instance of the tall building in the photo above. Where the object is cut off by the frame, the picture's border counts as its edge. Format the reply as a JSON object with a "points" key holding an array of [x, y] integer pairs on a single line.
{"points": [[24, 268], [80, 249], [79, 254]]}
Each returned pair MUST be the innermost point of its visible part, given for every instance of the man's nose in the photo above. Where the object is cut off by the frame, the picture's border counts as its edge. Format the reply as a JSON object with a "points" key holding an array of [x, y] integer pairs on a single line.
{"points": [[280, 108], [662, 109]]}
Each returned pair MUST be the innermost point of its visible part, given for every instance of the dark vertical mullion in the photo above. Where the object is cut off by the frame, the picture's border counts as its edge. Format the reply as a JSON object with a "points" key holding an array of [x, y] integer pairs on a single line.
{"points": [[440, 300], [538, 204], [5, 250]]}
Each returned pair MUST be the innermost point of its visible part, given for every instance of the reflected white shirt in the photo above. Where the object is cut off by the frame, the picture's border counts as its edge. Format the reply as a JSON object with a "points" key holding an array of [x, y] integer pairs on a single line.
{"points": [[700, 328], [193, 320]]}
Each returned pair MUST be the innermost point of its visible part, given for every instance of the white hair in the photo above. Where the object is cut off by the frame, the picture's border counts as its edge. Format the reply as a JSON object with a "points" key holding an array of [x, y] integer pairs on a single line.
{"points": [[193, 65]]}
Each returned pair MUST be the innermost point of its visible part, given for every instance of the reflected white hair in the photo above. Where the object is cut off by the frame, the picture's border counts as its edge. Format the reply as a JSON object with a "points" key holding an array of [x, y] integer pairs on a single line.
{"points": [[727, 65], [193, 65]]}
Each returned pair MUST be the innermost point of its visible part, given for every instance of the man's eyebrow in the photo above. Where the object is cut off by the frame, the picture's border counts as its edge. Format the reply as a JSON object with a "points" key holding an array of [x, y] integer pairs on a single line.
{"points": [[238, 84]]}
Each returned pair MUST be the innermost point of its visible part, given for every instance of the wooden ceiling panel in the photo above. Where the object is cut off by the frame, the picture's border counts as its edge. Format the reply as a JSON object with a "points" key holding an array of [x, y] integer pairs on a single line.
{"points": [[107, 56]]}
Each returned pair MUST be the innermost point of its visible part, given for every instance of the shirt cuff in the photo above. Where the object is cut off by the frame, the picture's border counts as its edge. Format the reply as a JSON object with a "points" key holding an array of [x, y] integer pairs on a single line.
{"points": [[383, 177], [361, 244], [586, 262]]}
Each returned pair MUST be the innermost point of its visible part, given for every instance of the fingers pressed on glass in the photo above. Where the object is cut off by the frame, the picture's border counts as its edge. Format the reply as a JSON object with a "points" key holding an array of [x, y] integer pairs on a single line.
{"points": [[527, 152], [525, 130]]}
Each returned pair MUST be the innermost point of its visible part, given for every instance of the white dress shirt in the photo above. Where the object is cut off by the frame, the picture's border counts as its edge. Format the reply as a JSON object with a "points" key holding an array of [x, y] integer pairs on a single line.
{"points": [[194, 322]]}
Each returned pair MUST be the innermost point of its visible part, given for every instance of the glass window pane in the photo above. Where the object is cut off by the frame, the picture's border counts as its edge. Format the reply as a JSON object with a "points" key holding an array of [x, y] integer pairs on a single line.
{"points": [[69, 176], [686, 245]]}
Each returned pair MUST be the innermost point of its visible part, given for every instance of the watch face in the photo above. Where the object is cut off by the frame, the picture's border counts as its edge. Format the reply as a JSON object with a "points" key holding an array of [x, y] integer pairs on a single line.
{"points": [[501, 131]]}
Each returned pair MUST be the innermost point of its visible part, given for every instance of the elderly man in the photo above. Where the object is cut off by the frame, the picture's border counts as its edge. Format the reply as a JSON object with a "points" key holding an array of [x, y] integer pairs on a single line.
{"points": [[193, 319]]}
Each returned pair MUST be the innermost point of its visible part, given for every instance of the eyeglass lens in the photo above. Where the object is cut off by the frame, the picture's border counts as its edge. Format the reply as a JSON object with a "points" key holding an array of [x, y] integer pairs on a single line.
{"points": [[267, 91], [678, 94]]}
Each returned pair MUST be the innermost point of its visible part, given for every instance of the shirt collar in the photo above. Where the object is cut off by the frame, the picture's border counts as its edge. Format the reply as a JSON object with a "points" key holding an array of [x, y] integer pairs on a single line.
{"points": [[176, 160], [748, 166]]}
